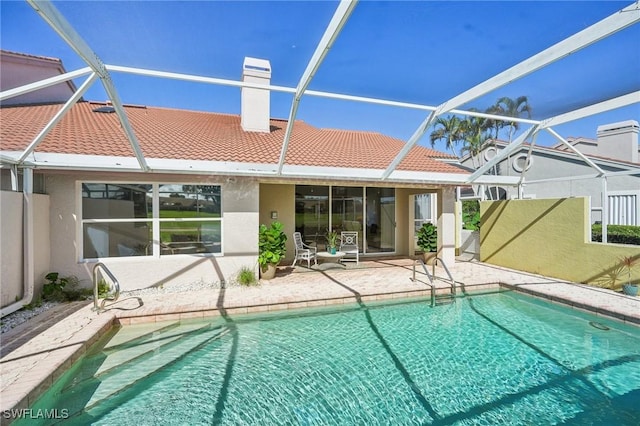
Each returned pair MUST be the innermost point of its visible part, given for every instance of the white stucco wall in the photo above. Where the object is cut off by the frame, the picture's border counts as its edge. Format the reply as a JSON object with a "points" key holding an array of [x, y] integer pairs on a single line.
{"points": [[446, 225], [11, 244], [470, 241], [239, 235], [10, 247]]}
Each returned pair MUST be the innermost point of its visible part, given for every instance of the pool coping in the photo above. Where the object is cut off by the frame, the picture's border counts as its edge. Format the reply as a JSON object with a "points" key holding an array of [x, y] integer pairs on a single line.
{"points": [[37, 364]]}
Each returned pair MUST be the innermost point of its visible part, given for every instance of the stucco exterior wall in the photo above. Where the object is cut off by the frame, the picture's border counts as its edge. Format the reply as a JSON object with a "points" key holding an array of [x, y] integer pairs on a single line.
{"points": [[41, 238], [279, 198], [239, 236], [550, 237], [548, 166], [446, 225], [246, 204], [11, 287], [18, 70], [545, 167], [11, 244], [469, 241]]}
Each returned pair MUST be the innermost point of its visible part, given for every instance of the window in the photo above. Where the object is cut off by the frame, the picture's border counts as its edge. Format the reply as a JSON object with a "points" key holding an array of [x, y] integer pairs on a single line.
{"points": [[521, 162], [423, 208], [423, 212], [190, 219], [119, 220]]}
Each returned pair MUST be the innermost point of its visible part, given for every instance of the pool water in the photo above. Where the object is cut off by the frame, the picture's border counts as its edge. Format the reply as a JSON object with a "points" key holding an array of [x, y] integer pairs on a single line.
{"points": [[492, 359]]}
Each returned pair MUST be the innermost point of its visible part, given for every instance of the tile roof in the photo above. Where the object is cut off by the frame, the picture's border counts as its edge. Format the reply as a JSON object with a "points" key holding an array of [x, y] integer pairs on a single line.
{"points": [[192, 135]]}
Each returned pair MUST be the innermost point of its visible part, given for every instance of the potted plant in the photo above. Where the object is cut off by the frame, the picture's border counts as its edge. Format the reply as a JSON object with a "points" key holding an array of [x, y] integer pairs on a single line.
{"points": [[332, 239], [271, 249], [428, 242], [628, 288]]}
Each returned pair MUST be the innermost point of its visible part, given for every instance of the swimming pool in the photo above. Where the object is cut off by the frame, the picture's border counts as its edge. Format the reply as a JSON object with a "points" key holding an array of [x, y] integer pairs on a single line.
{"points": [[492, 359]]}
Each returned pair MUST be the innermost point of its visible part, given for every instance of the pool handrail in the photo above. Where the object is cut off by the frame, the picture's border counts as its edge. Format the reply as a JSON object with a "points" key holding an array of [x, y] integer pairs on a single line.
{"points": [[431, 277], [102, 267], [430, 283]]}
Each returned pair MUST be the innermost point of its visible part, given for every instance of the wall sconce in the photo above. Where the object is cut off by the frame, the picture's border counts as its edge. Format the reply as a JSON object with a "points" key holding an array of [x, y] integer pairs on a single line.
{"points": [[274, 214]]}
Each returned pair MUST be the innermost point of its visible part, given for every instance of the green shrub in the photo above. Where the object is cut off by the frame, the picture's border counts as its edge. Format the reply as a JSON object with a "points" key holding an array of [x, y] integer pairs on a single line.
{"points": [[271, 244], [428, 238], [52, 290], [103, 289], [36, 303], [618, 234], [63, 289], [471, 214], [246, 277]]}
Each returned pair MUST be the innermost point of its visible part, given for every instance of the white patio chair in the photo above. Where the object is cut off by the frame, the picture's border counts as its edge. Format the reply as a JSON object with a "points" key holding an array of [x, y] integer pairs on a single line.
{"points": [[349, 245], [303, 251]]}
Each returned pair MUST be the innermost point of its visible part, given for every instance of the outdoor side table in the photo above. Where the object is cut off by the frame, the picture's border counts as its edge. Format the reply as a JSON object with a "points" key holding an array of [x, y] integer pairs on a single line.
{"points": [[327, 257]]}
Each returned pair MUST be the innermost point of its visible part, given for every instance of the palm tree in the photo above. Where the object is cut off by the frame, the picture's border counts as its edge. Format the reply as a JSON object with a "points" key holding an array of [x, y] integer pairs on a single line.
{"points": [[513, 108], [450, 130], [475, 136], [495, 125]]}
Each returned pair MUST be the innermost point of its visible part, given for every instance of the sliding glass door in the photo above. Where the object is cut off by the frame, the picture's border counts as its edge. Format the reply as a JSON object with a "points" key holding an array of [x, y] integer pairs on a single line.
{"points": [[381, 220], [346, 210], [312, 214], [368, 211]]}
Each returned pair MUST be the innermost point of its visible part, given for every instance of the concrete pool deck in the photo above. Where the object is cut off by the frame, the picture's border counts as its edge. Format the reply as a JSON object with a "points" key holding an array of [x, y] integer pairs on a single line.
{"points": [[35, 354]]}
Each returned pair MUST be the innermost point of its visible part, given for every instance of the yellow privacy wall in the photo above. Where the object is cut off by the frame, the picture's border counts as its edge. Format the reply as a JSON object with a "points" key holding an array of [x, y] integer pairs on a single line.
{"points": [[552, 237]]}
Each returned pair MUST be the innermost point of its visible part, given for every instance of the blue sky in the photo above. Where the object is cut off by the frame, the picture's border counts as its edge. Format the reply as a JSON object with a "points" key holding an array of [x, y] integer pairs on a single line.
{"points": [[419, 52]]}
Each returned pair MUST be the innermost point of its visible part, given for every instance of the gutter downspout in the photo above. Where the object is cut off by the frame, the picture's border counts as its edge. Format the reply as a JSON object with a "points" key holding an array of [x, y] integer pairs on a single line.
{"points": [[27, 245]]}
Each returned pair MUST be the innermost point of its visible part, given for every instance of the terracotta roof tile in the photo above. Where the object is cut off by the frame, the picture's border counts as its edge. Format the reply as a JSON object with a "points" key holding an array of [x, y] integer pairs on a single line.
{"points": [[181, 134]]}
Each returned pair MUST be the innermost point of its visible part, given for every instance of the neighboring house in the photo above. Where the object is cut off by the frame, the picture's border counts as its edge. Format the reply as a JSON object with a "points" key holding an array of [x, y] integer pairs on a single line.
{"points": [[557, 171], [18, 69], [212, 179]]}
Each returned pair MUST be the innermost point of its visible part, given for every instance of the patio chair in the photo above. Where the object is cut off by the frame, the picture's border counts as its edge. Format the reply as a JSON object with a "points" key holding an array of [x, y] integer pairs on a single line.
{"points": [[303, 251], [349, 245]]}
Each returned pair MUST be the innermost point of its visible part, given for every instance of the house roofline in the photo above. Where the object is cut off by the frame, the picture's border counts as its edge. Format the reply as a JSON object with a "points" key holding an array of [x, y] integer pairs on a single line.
{"points": [[561, 153], [30, 59], [94, 163]]}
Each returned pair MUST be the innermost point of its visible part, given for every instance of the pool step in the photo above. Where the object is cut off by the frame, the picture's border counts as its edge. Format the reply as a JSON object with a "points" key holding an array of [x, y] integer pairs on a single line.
{"points": [[109, 374], [121, 378], [131, 335], [125, 345], [116, 358], [445, 299]]}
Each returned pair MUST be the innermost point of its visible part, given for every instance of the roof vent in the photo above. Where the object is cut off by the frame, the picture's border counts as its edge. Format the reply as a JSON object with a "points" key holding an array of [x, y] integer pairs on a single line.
{"points": [[105, 109]]}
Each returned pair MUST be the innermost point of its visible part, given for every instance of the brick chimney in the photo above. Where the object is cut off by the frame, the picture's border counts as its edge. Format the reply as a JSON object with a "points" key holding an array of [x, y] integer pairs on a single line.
{"points": [[255, 103], [619, 141]]}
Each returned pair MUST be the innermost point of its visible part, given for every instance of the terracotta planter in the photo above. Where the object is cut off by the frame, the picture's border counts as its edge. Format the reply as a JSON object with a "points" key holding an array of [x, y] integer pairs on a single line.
{"points": [[429, 257], [268, 271]]}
